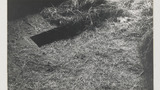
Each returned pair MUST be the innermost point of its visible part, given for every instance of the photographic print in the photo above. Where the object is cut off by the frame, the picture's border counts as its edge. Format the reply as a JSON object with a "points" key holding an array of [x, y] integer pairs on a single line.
{"points": [[80, 45]]}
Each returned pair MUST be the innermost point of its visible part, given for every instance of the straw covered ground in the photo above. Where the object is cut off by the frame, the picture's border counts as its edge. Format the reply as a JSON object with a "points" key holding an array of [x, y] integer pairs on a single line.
{"points": [[114, 50]]}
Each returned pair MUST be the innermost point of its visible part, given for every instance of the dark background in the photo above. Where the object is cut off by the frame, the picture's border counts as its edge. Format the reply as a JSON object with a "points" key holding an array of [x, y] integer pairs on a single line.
{"points": [[21, 8]]}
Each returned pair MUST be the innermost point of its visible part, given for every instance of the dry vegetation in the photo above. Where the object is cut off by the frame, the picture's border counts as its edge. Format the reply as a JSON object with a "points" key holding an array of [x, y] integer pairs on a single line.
{"points": [[114, 52], [92, 12]]}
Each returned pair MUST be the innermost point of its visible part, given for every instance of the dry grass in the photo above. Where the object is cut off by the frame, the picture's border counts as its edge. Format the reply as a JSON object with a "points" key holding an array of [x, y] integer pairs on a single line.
{"points": [[112, 57], [93, 12]]}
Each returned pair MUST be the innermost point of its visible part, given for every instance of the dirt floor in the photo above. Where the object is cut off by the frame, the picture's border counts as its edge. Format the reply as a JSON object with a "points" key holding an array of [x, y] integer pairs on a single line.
{"points": [[115, 56]]}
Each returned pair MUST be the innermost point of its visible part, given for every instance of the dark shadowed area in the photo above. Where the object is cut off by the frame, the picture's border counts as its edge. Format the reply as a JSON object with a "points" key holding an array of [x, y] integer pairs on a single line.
{"points": [[60, 33], [21, 8], [147, 60]]}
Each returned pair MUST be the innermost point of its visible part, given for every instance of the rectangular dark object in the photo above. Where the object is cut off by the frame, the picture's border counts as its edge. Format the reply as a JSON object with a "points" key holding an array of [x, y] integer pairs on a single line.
{"points": [[64, 32]]}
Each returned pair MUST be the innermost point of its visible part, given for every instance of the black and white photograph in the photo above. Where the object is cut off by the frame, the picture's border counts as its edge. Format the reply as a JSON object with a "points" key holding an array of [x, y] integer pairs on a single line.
{"points": [[80, 45]]}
